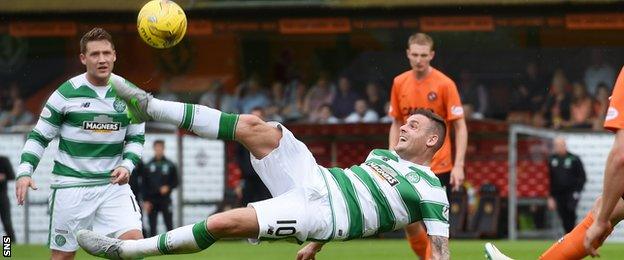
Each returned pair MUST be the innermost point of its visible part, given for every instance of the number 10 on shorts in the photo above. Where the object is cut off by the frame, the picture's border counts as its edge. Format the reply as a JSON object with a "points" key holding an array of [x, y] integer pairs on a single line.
{"points": [[6, 246]]}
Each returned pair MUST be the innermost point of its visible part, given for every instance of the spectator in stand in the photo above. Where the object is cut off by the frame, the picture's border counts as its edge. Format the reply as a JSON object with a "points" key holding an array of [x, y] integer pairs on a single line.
{"points": [[295, 98], [165, 91], [272, 113], [277, 95], [538, 120], [581, 110], [530, 92], [320, 94], [473, 95], [601, 104], [386, 118], [215, 97], [251, 95], [598, 71], [362, 113], [344, 100], [326, 116], [376, 101], [556, 109], [17, 116], [4, 99], [13, 93]]}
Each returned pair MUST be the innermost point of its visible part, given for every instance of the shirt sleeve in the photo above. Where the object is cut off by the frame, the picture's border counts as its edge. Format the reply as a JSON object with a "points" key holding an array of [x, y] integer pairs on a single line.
{"points": [[435, 217], [46, 129], [133, 147], [614, 119], [454, 109]]}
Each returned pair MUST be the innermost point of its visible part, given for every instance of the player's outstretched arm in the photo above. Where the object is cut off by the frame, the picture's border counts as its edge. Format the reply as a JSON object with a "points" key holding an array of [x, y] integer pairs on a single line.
{"points": [[309, 251], [439, 248]]}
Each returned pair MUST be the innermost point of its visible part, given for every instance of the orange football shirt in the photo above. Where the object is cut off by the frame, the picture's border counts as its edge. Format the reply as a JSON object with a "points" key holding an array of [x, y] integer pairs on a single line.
{"points": [[436, 92], [614, 119]]}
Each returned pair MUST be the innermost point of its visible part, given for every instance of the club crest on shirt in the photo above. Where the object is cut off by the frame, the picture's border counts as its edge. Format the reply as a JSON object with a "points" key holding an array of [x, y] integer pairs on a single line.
{"points": [[457, 110], [432, 96], [412, 177], [612, 113], [119, 105]]}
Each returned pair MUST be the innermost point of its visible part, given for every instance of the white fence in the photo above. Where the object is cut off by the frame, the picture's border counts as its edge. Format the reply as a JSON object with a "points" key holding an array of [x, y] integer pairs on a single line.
{"points": [[202, 172]]}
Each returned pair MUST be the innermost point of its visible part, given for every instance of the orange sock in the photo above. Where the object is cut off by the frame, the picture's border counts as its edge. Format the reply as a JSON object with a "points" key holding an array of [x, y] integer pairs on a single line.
{"points": [[571, 245], [420, 244]]}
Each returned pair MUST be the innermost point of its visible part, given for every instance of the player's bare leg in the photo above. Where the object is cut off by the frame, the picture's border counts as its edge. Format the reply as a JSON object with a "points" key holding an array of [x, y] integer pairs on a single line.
{"points": [[61, 255], [236, 223], [132, 235], [259, 137]]}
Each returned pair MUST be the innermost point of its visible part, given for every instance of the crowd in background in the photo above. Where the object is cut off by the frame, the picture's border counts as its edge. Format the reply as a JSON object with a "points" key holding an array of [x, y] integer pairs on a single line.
{"points": [[13, 114], [324, 102], [559, 103], [537, 97]]}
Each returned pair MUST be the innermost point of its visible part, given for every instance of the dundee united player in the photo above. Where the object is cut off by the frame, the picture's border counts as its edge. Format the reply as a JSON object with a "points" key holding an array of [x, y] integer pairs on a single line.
{"points": [[426, 87]]}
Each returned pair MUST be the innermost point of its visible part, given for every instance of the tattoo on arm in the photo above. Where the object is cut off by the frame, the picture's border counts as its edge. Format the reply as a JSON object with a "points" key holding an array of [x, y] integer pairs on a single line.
{"points": [[439, 247]]}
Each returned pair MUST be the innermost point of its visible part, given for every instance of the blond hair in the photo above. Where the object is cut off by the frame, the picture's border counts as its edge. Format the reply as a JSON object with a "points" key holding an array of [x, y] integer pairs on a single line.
{"points": [[420, 39]]}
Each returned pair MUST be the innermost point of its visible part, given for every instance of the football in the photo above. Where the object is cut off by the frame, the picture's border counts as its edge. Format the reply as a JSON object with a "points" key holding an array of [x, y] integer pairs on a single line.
{"points": [[161, 23]]}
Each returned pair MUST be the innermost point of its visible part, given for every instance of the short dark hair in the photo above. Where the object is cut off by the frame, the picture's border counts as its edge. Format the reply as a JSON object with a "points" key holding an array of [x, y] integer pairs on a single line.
{"points": [[421, 39], [95, 34], [160, 142], [438, 126]]}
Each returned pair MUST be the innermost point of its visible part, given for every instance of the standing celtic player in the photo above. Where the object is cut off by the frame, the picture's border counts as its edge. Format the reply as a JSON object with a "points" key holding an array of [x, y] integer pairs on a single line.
{"points": [[311, 203], [98, 148]]}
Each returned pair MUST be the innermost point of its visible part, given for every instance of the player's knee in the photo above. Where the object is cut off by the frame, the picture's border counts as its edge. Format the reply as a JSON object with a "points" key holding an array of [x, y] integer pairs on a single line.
{"points": [[220, 225], [134, 234], [61, 255], [248, 125], [250, 121], [253, 130]]}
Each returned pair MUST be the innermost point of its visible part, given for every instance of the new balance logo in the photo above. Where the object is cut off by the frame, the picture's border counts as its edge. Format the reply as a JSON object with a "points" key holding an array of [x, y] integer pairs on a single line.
{"points": [[85, 104]]}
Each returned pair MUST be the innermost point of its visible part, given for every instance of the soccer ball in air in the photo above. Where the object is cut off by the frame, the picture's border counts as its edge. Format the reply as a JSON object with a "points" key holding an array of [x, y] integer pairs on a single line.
{"points": [[161, 23]]}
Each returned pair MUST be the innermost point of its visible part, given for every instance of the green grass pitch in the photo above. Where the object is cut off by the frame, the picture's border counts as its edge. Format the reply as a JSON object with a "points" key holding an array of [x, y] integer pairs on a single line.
{"points": [[385, 249]]}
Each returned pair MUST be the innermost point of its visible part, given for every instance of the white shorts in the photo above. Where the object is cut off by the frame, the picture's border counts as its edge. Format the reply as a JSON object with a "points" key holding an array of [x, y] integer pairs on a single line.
{"points": [[300, 208], [109, 209]]}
